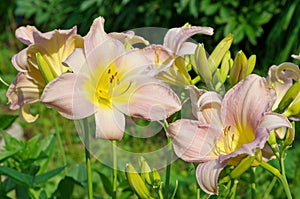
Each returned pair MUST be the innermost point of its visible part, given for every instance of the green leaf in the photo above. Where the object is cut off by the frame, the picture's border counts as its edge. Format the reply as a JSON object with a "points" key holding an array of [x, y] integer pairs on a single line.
{"points": [[46, 176], [78, 173], [16, 176], [65, 188], [7, 120], [11, 142], [106, 183], [6, 154]]}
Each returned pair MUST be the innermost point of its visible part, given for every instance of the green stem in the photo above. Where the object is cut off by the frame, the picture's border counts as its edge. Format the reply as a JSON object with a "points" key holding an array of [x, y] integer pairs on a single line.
{"points": [[198, 193], [270, 187], [88, 159], [114, 153], [281, 177], [169, 157], [60, 143], [253, 187]]}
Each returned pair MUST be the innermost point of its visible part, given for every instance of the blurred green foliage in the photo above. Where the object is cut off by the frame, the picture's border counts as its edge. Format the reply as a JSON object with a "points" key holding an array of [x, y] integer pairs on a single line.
{"points": [[264, 28], [270, 29]]}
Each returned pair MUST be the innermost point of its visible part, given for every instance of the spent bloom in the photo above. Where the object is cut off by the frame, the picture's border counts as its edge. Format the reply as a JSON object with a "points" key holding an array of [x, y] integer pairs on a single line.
{"points": [[39, 64], [227, 129], [110, 84]]}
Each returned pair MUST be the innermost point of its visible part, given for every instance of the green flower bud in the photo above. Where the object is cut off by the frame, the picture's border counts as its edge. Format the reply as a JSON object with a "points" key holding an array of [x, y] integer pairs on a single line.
{"points": [[46, 70], [137, 183]]}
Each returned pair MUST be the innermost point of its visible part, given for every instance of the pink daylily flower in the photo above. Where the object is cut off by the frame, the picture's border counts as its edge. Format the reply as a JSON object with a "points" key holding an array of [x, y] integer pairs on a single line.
{"points": [[38, 64], [169, 56], [97, 35], [110, 84], [227, 129]]}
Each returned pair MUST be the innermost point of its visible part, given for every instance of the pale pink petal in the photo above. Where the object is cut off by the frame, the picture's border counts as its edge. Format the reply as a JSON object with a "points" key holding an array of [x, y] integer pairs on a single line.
{"points": [[132, 63], [110, 123], [195, 94], [102, 56], [66, 96], [147, 98], [23, 91], [43, 38], [175, 37], [277, 122], [187, 48], [209, 108], [95, 36], [207, 175], [20, 60], [244, 105], [158, 55], [129, 37], [193, 141], [25, 34], [76, 60]]}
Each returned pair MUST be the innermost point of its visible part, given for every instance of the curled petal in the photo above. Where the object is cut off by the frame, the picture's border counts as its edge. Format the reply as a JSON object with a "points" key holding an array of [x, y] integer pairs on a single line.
{"points": [[23, 91], [207, 175], [65, 95], [192, 141], [20, 60], [209, 106], [195, 94], [110, 123], [25, 34], [175, 37], [25, 115], [277, 122]]}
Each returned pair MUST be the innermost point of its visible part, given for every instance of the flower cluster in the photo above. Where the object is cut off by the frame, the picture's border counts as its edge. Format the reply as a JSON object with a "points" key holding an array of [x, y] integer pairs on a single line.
{"points": [[108, 76]]}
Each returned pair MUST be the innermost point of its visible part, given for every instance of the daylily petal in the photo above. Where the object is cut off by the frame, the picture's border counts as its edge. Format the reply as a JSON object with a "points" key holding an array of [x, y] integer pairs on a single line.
{"points": [[20, 60], [243, 105], [207, 175], [296, 56], [110, 123], [277, 122], [175, 37], [187, 48], [159, 55], [23, 91], [101, 57], [64, 95], [193, 141], [25, 115], [148, 98], [95, 36], [129, 37], [195, 94], [76, 60], [209, 108], [250, 148], [25, 34]]}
